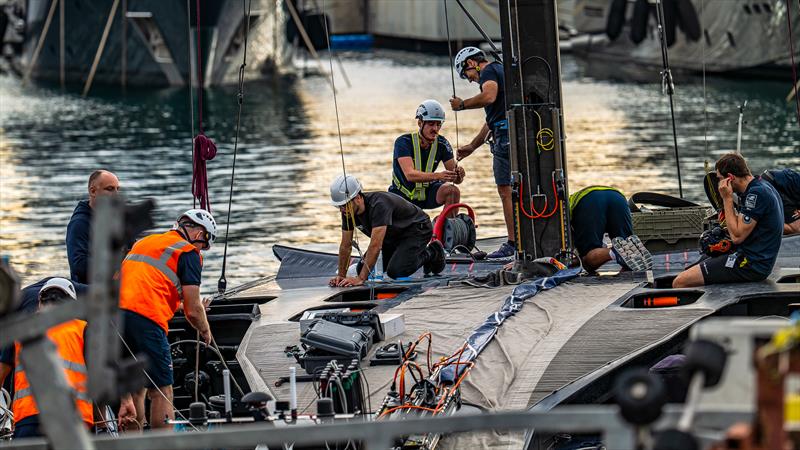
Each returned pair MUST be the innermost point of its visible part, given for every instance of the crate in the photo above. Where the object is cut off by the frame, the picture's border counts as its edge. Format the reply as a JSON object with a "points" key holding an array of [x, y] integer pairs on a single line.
{"points": [[669, 229]]}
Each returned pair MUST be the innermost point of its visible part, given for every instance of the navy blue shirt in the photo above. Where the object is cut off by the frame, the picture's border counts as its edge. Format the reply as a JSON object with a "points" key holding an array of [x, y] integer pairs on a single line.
{"points": [[190, 269], [760, 202], [787, 183], [497, 110], [78, 242], [404, 147]]}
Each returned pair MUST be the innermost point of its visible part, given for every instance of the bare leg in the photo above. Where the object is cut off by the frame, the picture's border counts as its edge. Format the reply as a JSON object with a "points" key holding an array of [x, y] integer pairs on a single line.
{"points": [[508, 211], [595, 258], [448, 194], [690, 277], [160, 407]]}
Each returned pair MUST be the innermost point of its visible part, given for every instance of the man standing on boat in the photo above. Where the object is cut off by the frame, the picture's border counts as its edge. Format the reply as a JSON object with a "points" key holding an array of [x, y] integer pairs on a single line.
{"points": [[471, 64], [399, 229], [416, 157], [756, 228], [101, 182], [160, 274]]}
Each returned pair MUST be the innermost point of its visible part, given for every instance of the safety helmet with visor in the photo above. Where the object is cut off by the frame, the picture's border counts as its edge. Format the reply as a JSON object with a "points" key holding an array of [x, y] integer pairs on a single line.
{"points": [[201, 218], [56, 290], [344, 189], [460, 61]]}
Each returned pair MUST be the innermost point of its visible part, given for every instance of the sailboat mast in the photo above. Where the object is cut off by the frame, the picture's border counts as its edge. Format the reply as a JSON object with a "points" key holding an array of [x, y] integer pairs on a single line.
{"points": [[533, 108]]}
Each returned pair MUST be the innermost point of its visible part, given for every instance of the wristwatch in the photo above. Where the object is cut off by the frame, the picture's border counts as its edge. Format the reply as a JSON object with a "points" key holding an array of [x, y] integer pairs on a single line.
{"points": [[461, 108]]}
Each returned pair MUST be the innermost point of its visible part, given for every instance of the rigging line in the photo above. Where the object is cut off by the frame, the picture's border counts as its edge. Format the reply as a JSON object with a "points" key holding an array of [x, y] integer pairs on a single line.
{"points": [[495, 51], [222, 284], [669, 86], [705, 100], [335, 101], [191, 88], [199, 71], [452, 74], [794, 66]]}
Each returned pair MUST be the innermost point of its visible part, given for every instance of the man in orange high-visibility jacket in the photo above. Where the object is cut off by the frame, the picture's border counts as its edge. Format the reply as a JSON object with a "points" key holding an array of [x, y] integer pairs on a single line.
{"points": [[159, 274], [68, 338]]}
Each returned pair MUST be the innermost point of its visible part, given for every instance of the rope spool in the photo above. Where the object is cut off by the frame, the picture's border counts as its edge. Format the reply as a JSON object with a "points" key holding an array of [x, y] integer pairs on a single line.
{"points": [[458, 231]]}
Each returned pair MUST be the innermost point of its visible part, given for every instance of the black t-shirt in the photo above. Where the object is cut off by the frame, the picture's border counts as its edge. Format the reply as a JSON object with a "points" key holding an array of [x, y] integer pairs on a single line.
{"points": [[385, 209], [760, 202], [496, 110]]}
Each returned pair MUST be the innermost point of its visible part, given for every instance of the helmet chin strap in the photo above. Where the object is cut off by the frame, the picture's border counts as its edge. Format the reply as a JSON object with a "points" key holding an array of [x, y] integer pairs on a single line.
{"points": [[185, 234]]}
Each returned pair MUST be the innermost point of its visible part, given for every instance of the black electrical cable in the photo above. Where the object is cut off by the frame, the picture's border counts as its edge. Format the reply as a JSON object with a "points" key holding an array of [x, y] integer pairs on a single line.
{"points": [[222, 284]]}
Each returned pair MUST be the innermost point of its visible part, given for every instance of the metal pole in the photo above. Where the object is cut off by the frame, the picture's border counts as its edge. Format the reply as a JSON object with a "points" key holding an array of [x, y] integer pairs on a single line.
{"points": [[61, 33], [124, 69], [40, 44], [496, 51], [100, 48]]}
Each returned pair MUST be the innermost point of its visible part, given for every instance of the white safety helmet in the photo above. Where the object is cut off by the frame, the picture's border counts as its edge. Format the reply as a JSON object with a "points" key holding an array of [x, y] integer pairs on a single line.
{"points": [[62, 284], [430, 110], [344, 189], [204, 219], [459, 63]]}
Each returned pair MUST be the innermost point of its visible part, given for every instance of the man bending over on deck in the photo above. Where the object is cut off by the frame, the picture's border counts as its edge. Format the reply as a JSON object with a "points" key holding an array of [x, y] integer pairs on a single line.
{"points": [[416, 157], [756, 229], [787, 183], [160, 274], [101, 182], [398, 228], [597, 210]]}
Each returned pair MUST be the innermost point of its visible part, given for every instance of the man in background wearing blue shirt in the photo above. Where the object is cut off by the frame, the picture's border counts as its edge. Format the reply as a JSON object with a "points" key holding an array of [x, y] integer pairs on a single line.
{"points": [[101, 182], [787, 183], [756, 229], [471, 64]]}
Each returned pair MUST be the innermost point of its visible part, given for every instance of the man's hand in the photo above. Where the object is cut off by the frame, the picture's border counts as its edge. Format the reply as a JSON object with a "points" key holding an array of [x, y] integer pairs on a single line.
{"points": [[725, 188], [460, 174], [350, 281], [207, 303], [127, 412], [456, 103], [206, 336], [448, 175], [464, 151], [333, 282]]}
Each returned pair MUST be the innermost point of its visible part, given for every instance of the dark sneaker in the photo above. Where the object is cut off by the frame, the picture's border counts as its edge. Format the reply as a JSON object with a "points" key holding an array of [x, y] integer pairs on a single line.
{"points": [[505, 251], [627, 255], [648, 258], [436, 259]]}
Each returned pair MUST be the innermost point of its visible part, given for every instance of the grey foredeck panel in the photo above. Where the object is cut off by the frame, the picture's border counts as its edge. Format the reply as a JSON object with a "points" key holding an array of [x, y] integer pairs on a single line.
{"points": [[610, 335]]}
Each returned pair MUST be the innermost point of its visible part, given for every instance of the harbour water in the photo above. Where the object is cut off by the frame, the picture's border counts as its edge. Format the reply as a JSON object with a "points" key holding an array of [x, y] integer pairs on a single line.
{"points": [[618, 133]]}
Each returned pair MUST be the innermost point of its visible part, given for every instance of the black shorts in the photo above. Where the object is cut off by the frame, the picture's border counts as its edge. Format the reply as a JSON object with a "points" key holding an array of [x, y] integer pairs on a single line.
{"points": [[716, 270], [144, 336]]}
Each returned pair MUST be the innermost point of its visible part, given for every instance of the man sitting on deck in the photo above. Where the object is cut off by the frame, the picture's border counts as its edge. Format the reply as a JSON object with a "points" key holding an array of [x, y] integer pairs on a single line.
{"points": [[597, 210], [756, 228], [396, 227], [101, 182], [416, 157], [787, 183]]}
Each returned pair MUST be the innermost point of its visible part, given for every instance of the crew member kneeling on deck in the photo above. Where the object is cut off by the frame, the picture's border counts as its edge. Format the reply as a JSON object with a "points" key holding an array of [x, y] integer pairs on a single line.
{"points": [[416, 157], [597, 210], [398, 228], [161, 272], [756, 229], [787, 183], [68, 339]]}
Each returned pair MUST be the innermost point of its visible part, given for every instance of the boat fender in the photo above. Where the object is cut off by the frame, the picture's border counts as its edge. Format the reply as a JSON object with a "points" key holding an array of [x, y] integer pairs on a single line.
{"points": [[688, 21], [616, 19], [641, 15]]}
